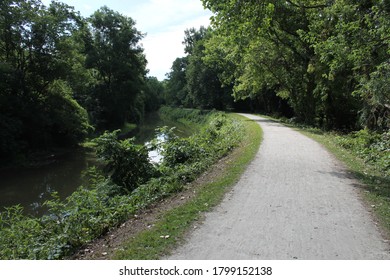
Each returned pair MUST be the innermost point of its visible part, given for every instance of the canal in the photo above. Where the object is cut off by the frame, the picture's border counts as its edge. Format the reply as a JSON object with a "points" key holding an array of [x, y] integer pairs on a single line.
{"points": [[30, 187]]}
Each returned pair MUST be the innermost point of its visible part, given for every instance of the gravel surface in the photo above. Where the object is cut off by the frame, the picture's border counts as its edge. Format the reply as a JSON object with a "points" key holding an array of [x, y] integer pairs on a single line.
{"points": [[295, 201]]}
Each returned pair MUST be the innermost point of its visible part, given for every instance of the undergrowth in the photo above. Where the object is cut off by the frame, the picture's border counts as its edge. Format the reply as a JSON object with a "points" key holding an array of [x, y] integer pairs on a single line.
{"points": [[123, 189], [372, 147]]}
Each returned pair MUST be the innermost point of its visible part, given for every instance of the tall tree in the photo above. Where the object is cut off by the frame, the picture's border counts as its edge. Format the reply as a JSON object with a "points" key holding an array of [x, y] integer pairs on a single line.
{"points": [[328, 59], [114, 52], [176, 89], [351, 42], [195, 80], [154, 94], [35, 51], [263, 38], [203, 83]]}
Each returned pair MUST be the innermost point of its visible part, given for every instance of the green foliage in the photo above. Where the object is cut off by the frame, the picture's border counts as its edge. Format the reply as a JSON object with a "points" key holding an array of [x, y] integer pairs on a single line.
{"points": [[113, 51], [90, 212], [67, 119], [186, 158], [373, 148], [127, 164], [179, 151], [18, 234], [186, 116], [37, 104], [176, 90], [328, 59], [193, 82], [261, 41], [83, 216], [61, 73], [154, 94], [375, 91]]}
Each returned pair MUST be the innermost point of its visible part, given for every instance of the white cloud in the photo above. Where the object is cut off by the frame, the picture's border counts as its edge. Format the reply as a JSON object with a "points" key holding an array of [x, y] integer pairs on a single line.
{"points": [[163, 48]]}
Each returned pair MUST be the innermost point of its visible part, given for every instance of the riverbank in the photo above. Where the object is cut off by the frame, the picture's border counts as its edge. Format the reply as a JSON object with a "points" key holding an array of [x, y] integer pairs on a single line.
{"points": [[90, 212], [154, 232]]}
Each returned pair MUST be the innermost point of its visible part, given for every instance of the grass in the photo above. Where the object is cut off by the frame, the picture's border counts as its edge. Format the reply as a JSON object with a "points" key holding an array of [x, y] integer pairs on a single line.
{"points": [[172, 226]]}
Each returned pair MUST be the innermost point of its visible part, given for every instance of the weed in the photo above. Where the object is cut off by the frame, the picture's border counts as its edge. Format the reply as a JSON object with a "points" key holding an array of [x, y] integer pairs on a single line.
{"points": [[130, 184]]}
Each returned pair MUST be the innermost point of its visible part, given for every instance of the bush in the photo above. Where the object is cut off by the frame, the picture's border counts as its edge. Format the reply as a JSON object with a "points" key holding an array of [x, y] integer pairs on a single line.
{"points": [[187, 158], [127, 164], [372, 147]]}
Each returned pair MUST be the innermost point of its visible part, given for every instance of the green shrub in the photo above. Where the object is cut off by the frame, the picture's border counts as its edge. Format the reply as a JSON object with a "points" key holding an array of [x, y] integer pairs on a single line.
{"points": [[127, 164], [187, 158], [19, 234], [372, 147]]}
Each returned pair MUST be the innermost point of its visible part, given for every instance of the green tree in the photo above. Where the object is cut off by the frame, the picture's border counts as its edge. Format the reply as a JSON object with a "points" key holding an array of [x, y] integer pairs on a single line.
{"points": [[154, 94], [351, 42], [119, 63], [36, 46], [192, 81], [328, 59], [204, 86], [264, 41], [176, 90], [127, 164]]}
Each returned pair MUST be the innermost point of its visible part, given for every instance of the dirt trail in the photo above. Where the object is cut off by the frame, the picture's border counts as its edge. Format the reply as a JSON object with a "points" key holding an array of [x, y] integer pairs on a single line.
{"points": [[295, 201]]}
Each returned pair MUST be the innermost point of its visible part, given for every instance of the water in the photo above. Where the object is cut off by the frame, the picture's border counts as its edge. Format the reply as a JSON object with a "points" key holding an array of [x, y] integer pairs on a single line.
{"points": [[30, 187]]}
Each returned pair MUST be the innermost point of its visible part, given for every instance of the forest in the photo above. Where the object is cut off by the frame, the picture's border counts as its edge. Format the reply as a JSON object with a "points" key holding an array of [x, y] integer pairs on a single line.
{"points": [[322, 63], [64, 77]]}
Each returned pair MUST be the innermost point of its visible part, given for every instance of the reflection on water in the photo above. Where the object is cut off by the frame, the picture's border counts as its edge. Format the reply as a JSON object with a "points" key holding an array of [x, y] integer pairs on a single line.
{"points": [[30, 187], [155, 155]]}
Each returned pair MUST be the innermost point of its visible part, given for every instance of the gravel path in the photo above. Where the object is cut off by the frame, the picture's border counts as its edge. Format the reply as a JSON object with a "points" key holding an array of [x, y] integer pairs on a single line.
{"points": [[295, 201]]}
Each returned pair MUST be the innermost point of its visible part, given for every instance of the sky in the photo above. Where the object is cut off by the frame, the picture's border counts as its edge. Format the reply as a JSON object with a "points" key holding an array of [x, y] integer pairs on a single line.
{"points": [[163, 21]]}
